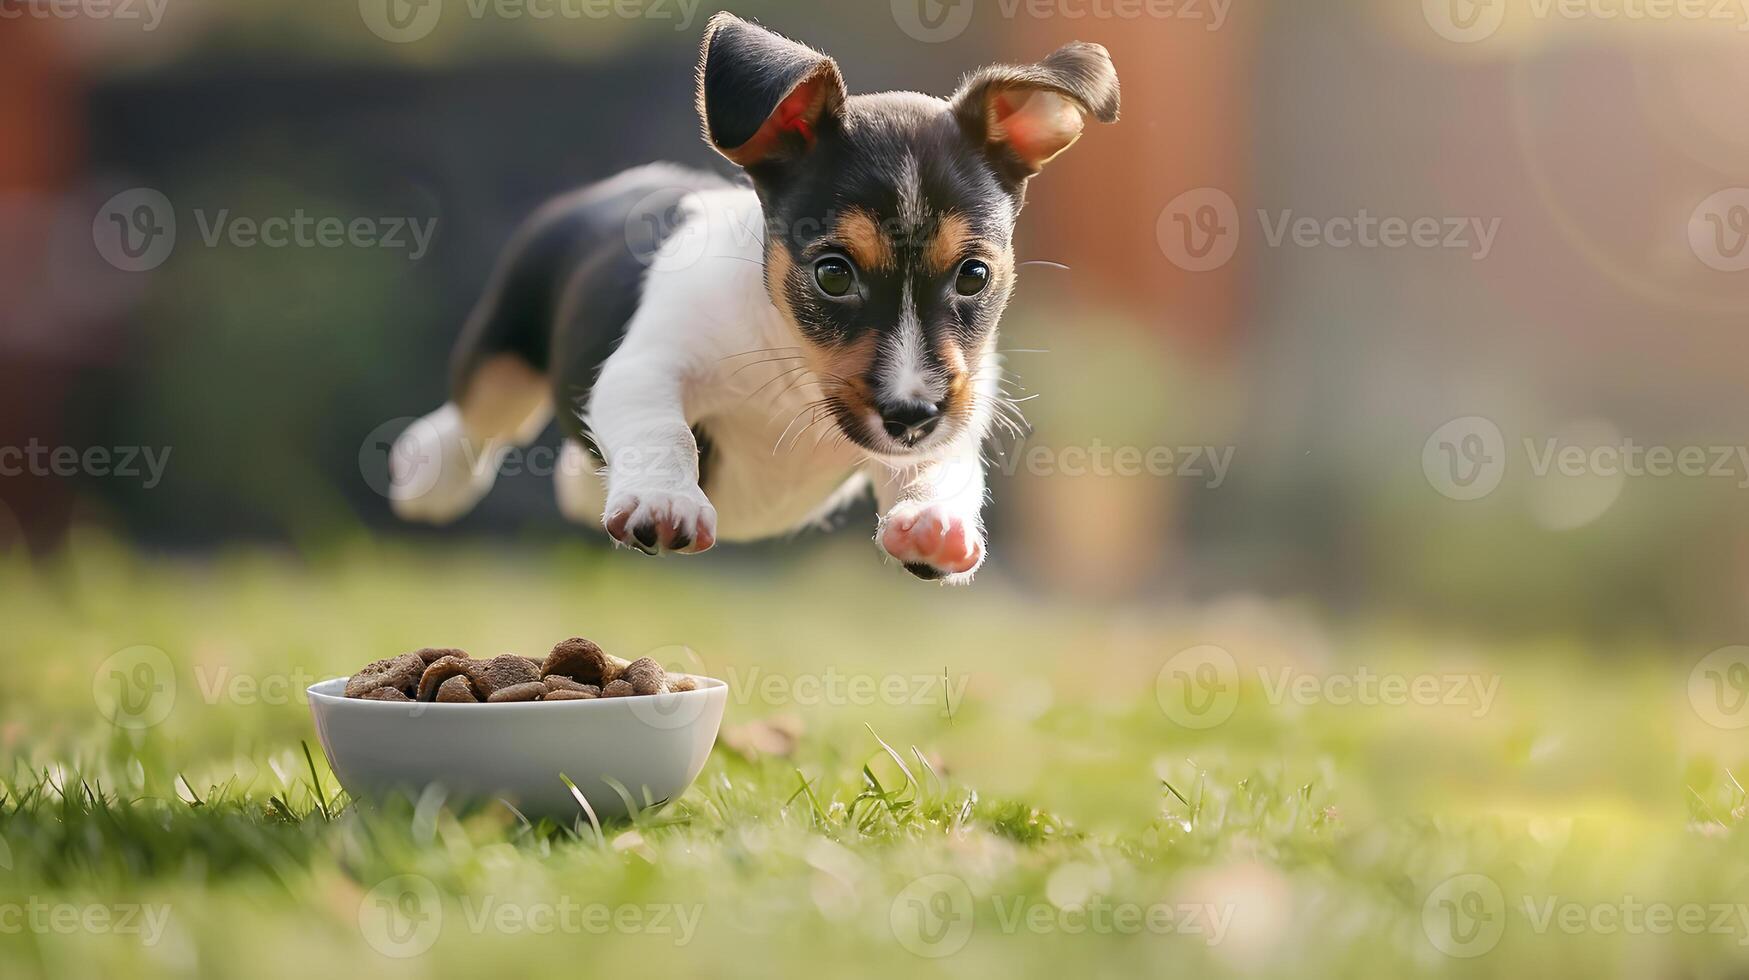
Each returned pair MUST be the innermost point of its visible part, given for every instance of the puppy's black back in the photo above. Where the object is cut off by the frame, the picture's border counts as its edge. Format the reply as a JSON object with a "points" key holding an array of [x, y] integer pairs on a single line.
{"points": [[571, 279]]}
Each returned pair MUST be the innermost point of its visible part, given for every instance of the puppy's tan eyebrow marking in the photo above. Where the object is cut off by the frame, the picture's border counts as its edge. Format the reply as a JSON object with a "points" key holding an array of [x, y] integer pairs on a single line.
{"points": [[948, 245], [861, 235]]}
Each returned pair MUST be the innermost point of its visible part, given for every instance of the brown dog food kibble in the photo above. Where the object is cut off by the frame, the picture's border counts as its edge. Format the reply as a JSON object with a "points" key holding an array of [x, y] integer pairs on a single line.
{"points": [[368, 678], [502, 671], [645, 676], [440, 673], [457, 690], [559, 682], [432, 655], [401, 673], [575, 670], [580, 660], [531, 691]]}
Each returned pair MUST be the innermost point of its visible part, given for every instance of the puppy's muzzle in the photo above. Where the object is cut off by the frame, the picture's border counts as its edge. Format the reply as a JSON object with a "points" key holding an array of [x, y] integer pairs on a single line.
{"points": [[909, 423]]}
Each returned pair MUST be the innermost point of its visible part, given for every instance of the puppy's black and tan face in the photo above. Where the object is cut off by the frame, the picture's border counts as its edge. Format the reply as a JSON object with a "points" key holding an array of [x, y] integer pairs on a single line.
{"points": [[890, 218], [892, 254]]}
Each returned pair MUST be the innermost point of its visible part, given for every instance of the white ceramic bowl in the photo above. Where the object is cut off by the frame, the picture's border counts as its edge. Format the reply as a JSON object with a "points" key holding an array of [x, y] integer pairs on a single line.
{"points": [[652, 746]]}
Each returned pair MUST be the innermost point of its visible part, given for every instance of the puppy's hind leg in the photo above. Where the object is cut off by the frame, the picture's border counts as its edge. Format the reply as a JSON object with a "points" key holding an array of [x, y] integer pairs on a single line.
{"points": [[578, 484], [444, 463]]}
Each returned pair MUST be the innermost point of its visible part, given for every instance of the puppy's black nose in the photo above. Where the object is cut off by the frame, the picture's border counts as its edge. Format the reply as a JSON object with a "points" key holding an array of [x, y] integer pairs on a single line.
{"points": [[910, 422]]}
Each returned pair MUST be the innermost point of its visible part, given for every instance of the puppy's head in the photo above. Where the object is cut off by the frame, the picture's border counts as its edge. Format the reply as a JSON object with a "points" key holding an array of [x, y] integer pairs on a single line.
{"points": [[890, 217]]}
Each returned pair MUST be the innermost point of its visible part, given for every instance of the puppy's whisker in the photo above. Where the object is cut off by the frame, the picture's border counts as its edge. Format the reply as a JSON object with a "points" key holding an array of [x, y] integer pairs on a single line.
{"points": [[805, 428], [758, 350], [769, 360], [796, 418], [1004, 413], [776, 399], [1013, 415], [1006, 426], [820, 439], [773, 380]]}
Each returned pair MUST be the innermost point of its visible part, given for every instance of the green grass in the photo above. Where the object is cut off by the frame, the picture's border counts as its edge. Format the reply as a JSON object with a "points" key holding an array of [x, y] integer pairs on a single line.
{"points": [[1037, 808]]}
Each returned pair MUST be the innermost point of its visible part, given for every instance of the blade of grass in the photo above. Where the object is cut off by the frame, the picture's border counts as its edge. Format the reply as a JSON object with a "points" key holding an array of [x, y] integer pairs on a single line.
{"points": [[315, 781], [600, 838], [900, 762]]}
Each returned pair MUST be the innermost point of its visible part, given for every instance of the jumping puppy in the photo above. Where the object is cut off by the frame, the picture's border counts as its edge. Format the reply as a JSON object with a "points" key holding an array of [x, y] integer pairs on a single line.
{"points": [[736, 362]]}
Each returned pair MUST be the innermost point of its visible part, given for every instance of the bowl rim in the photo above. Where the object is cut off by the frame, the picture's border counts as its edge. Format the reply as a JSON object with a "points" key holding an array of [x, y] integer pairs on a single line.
{"points": [[333, 691]]}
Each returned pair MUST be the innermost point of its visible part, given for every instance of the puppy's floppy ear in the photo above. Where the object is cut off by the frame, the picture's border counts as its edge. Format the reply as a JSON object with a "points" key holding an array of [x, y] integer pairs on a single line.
{"points": [[763, 98], [1027, 114]]}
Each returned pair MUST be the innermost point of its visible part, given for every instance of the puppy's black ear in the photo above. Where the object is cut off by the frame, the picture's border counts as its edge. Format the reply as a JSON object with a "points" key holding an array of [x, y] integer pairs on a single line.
{"points": [[763, 98], [1027, 114]]}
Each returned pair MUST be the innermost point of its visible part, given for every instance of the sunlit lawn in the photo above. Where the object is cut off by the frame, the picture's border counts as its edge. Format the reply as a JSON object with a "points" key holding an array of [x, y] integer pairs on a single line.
{"points": [[1047, 807]]}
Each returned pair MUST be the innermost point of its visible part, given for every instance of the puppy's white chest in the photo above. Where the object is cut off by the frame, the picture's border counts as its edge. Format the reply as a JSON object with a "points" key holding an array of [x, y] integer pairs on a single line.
{"points": [[776, 458]]}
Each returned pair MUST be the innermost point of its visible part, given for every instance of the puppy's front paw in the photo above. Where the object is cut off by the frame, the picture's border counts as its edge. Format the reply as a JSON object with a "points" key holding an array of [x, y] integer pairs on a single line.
{"points": [[654, 521], [932, 542]]}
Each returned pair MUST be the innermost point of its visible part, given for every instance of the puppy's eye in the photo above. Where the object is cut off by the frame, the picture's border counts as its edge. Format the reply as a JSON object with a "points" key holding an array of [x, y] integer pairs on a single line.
{"points": [[973, 278], [834, 276]]}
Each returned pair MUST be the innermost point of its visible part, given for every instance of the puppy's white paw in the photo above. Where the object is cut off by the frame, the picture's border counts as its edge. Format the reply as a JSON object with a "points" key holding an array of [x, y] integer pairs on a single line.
{"points": [[434, 474], [654, 521], [933, 542]]}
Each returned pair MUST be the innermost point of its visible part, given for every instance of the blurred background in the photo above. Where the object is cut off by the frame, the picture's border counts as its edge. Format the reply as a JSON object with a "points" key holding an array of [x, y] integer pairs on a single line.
{"points": [[1351, 280]]}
